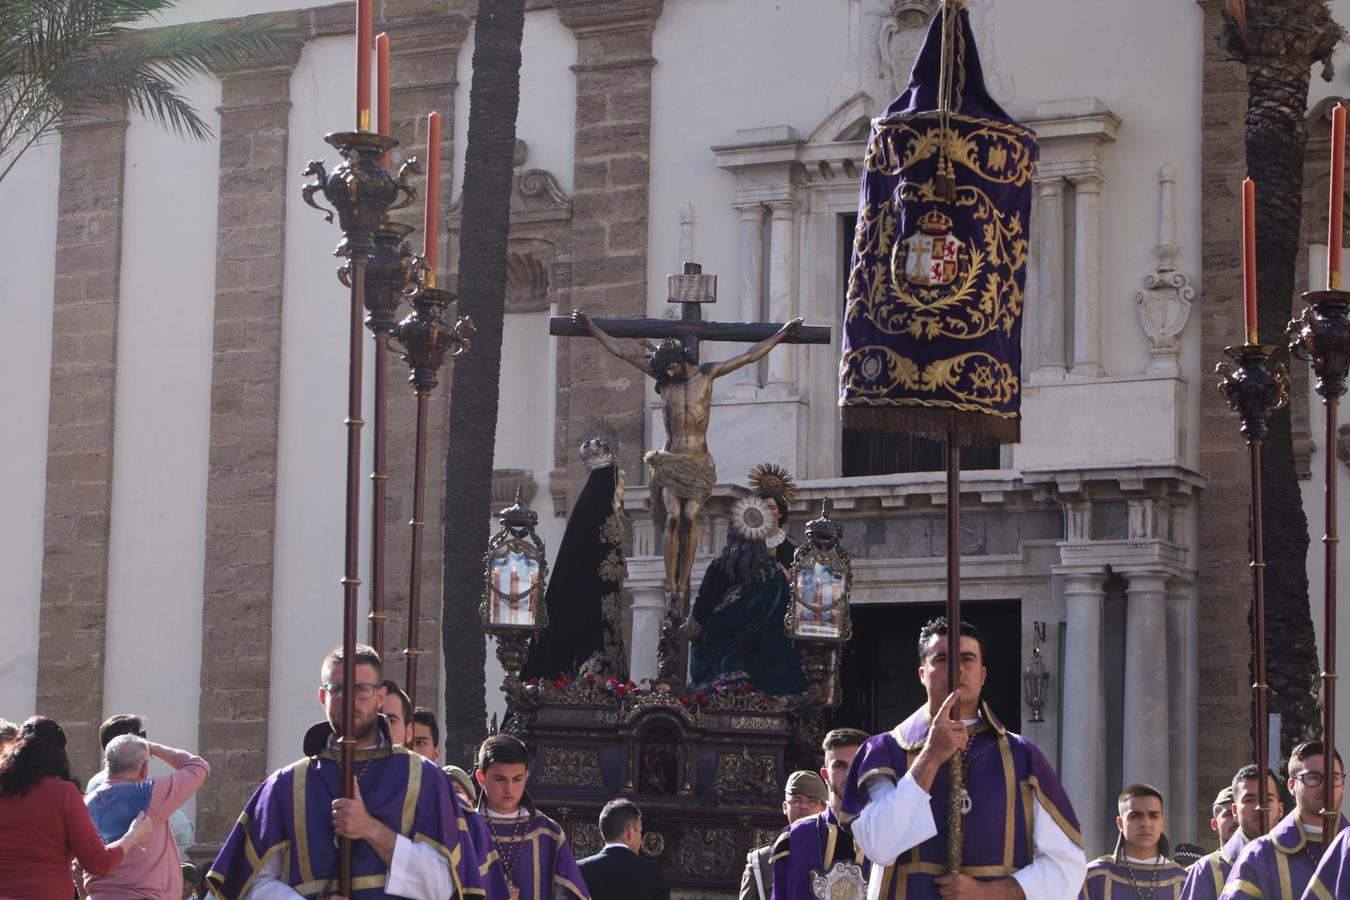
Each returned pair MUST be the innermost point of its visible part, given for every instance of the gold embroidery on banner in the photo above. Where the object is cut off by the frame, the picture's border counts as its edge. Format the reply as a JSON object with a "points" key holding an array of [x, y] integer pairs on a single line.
{"points": [[900, 142]]}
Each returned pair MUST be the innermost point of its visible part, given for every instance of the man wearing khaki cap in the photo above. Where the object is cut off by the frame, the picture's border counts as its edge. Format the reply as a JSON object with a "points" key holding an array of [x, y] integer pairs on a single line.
{"points": [[804, 795]]}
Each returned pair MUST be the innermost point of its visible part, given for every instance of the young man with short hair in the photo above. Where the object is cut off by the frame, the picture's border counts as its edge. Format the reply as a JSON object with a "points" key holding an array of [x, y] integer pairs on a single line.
{"points": [[1139, 867], [426, 734], [405, 828], [897, 794], [532, 851], [620, 871], [811, 847], [397, 708], [1222, 819], [1206, 878], [1281, 864], [804, 795]]}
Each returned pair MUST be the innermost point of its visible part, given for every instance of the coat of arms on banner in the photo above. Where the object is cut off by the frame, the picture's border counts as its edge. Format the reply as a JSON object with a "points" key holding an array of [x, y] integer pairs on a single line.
{"points": [[931, 255], [844, 881]]}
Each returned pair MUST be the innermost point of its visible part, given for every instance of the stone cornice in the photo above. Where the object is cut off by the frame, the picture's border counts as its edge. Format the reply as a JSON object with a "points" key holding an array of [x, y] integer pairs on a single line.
{"points": [[587, 17]]}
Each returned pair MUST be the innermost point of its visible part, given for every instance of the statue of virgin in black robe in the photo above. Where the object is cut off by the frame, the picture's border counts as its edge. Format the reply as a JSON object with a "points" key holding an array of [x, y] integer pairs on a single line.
{"points": [[741, 604], [584, 597]]}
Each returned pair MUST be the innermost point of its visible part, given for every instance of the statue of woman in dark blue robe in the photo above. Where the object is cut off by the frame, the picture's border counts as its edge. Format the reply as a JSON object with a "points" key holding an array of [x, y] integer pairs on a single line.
{"points": [[743, 599]]}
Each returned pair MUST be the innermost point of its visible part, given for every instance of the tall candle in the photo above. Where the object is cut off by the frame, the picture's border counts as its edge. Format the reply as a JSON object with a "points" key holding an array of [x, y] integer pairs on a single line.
{"points": [[382, 87], [1337, 197], [363, 12], [433, 204], [1249, 259]]}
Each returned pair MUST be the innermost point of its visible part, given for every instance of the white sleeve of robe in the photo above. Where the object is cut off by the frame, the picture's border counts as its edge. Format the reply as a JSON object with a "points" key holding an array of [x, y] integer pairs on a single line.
{"points": [[896, 818], [1058, 866], [416, 871]]}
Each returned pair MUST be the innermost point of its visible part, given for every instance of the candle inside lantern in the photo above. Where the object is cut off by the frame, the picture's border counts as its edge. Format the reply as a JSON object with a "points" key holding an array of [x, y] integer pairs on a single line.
{"points": [[1337, 197], [1249, 259], [433, 203], [363, 13]]}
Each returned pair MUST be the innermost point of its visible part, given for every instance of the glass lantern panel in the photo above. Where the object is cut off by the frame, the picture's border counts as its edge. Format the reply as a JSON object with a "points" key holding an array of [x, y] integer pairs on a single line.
{"points": [[514, 577], [820, 590]]}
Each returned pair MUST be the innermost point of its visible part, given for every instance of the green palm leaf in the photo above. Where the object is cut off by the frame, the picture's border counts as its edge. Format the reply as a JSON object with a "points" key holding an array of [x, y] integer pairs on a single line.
{"points": [[60, 57]]}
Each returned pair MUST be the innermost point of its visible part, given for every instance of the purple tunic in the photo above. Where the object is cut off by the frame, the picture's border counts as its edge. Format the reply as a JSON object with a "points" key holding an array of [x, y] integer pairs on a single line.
{"points": [[1109, 879], [493, 878], [998, 830], [1279, 864], [401, 789], [1332, 878], [1206, 878], [811, 844], [537, 854]]}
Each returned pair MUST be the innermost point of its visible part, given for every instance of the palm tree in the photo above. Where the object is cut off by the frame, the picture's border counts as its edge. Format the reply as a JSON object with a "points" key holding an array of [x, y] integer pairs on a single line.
{"points": [[1279, 41], [494, 99], [63, 56]]}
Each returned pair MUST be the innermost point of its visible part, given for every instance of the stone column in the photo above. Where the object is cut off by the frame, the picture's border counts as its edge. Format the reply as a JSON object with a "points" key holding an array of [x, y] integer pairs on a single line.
{"points": [[782, 368], [1083, 762], [1147, 755], [1087, 342], [649, 607], [255, 181], [76, 516], [1184, 712], [611, 213], [752, 280], [1050, 263]]}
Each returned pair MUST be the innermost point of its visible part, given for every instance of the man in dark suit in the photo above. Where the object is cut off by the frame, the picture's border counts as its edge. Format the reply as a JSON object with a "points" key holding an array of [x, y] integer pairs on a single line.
{"points": [[619, 871]]}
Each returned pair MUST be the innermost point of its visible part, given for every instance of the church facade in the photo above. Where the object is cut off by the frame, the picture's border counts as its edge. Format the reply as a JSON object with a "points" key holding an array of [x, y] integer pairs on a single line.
{"points": [[177, 397]]}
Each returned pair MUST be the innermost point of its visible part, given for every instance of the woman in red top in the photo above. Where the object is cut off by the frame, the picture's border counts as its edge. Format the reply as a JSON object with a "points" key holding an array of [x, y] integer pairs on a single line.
{"points": [[44, 822]]}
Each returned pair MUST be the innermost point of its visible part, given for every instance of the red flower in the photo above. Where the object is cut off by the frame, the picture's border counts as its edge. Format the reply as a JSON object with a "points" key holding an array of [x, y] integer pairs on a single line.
{"points": [[610, 683], [748, 688], [631, 686], [533, 682], [684, 699], [701, 698], [560, 683], [590, 677], [621, 689]]}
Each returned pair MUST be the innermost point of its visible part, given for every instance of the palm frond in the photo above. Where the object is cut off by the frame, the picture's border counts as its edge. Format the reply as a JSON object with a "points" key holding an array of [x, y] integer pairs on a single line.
{"points": [[1237, 10]]}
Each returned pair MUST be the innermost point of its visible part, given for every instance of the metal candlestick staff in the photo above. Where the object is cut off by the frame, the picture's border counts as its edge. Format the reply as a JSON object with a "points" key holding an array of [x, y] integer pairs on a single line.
{"points": [[1255, 390]]}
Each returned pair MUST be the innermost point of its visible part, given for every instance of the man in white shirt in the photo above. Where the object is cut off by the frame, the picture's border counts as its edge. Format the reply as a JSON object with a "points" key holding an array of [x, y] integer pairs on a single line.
{"points": [[893, 806]]}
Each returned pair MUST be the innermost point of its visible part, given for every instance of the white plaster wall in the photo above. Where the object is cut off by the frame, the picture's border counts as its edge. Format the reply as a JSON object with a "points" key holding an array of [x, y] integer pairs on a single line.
{"points": [[157, 540], [28, 259], [203, 10], [546, 121], [311, 458]]}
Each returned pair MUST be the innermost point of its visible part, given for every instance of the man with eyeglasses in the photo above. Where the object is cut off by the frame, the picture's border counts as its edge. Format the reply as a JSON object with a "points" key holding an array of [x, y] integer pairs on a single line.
{"points": [[404, 825], [804, 795], [1281, 864]]}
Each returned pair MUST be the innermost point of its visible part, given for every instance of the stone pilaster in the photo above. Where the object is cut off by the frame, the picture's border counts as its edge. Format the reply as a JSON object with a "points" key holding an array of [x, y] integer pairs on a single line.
{"points": [[1147, 750], [1224, 688], [1083, 760], [611, 211], [80, 432], [255, 180]]}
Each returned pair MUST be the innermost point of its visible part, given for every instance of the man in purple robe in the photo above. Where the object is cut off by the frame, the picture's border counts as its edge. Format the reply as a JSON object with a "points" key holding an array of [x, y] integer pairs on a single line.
{"points": [[405, 826], [1206, 878], [533, 854], [1332, 878], [811, 846], [1281, 864], [1021, 837], [1139, 867]]}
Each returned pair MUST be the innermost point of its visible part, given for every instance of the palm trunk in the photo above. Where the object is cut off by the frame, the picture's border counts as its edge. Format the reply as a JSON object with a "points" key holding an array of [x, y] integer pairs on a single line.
{"points": [[494, 99], [1284, 39]]}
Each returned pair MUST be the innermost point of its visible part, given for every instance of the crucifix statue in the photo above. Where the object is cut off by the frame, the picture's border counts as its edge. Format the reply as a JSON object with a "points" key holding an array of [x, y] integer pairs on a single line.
{"points": [[683, 473]]}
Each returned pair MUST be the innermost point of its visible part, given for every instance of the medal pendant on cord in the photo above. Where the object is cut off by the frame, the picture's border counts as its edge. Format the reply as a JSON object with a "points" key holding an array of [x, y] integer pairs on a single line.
{"points": [[844, 881], [966, 802]]}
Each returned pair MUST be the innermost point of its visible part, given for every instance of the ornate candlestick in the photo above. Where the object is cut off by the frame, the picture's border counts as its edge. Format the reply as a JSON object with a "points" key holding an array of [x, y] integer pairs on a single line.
{"points": [[388, 273], [1254, 391], [427, 339], [361, 191], [1322, 336]]}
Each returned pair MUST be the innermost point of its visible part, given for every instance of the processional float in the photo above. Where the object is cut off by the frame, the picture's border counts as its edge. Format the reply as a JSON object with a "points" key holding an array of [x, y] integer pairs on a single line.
{"points": [[380, 271], [932, 329], [1259, 387]]}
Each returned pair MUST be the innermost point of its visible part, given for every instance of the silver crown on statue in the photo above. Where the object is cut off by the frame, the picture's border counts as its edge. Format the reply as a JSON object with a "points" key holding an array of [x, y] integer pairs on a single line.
{"points": [[599, 444]]}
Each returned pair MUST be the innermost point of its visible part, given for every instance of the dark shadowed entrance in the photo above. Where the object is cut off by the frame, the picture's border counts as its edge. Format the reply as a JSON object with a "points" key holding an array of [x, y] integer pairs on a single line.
{"points": [[879, 671]]}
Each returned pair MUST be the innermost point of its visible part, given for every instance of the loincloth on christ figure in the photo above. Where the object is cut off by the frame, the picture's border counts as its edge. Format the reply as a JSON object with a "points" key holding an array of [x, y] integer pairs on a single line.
{"points": [[689, 476]]}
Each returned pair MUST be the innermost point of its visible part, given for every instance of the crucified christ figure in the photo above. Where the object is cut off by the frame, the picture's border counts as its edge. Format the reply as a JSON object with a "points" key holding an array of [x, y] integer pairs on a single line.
{"points": [[682, 474]]}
